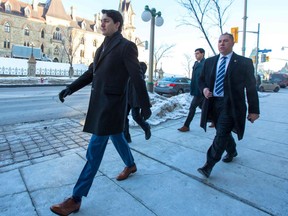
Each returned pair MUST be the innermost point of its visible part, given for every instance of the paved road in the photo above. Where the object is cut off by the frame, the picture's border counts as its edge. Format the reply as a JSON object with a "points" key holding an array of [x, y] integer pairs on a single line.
{"points": [[32, 104]]}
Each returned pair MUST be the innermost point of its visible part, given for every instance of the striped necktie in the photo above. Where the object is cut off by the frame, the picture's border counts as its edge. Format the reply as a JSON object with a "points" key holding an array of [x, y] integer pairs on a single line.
{"points": [[219, 84]]}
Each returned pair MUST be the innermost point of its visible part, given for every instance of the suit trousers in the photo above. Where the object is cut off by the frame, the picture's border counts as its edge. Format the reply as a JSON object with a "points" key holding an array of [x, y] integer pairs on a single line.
{"points": [[135, 111], [139, 119], [196, 102], [223, 139], [94, 155]]}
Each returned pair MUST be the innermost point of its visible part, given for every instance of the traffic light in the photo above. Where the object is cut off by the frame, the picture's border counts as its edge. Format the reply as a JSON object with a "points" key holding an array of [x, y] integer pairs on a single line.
{"points": [[267, 58], [234, 32], [263, 57]]}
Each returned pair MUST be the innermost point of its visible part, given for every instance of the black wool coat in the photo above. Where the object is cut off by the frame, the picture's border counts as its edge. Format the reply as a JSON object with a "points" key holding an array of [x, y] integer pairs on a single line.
{"points": [[239, 80], [109, 75]]}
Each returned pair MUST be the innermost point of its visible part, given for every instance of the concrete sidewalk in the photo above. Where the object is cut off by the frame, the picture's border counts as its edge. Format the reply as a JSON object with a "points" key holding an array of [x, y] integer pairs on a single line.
{"points": [[40, 163]]}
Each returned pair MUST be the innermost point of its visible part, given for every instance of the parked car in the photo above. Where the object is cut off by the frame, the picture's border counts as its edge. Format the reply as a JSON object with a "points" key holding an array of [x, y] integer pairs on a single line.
{"points": [[172, 85], [280, 78], [269, 86]]}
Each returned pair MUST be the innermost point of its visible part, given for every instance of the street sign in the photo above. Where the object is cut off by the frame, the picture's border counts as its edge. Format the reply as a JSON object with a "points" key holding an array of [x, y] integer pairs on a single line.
{"points": [[265, 50]]}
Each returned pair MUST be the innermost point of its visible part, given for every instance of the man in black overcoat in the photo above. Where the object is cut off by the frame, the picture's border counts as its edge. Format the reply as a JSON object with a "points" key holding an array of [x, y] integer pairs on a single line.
{"points": [[224, 102], [115, 61]]}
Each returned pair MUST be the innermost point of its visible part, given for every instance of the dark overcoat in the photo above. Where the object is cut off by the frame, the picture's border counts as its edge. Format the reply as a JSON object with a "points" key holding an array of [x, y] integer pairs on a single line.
{"points": [[194, 87], [109, 75], [239, 79]]}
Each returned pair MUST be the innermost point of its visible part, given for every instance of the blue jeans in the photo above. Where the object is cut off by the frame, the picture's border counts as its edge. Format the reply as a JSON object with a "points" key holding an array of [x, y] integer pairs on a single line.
{"points": [[94, 155]]}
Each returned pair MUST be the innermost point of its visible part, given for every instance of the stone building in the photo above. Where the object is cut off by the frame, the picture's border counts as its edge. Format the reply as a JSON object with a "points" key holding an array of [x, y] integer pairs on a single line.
{"points": [[61, 37]]}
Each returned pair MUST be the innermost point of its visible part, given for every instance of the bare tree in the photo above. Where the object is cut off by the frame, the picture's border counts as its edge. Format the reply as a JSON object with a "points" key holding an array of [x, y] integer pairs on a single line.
{"points": [[188, 64], [163, 51], [206, 15], [71, 43]]}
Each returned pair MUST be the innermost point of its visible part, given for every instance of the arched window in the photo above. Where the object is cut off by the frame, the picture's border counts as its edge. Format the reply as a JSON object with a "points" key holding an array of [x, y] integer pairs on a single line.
{"points": [[42, 34], [42, 48], [7, 27], [57, 35], [26, 31]]}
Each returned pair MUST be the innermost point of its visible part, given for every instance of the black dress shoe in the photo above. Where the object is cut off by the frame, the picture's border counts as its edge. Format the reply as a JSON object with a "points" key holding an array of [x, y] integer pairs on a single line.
{"points": [[205, 170], [148, 133], [229, 157]]}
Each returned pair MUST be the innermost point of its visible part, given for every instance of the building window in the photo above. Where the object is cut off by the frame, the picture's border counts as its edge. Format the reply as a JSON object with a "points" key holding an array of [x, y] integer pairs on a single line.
{"points": [[82, 53], [26, 31], [95, 43], [57, 35], [83, 25], [27, 12], [42, 48], [42, 34], [8, 7], [56, 50], [7, 44], [7, 27], [82, 40]]}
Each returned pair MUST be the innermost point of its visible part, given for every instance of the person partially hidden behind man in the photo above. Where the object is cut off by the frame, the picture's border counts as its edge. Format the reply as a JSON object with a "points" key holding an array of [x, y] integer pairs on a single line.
{"points": [[194, 89], [133, 105], [224, 81], [115, 61]]}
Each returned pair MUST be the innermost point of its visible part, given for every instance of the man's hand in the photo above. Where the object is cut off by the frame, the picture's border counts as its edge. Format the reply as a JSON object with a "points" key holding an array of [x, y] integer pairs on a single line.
{"points": [[252, 117], [146, 113], [64, 93], [206, 92]]}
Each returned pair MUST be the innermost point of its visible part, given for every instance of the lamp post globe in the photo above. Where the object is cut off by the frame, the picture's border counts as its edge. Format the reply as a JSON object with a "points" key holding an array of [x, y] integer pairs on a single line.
{"points": [[159, 21]]}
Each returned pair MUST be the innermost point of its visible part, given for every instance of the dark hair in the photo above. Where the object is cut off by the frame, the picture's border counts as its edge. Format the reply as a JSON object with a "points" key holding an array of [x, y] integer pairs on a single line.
{"points": [[143, 67], [115, 16], [201, 50], [230, 35]]}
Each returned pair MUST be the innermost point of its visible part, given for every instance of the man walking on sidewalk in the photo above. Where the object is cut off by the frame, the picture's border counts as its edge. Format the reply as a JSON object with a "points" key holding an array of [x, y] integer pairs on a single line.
{"points": [[225, 80], [115, 61], [194, 89]]}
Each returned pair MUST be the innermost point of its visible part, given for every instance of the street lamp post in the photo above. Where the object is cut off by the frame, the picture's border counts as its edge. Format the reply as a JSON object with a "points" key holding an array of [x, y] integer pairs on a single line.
{"points": [[156, 19], [244, 28]]}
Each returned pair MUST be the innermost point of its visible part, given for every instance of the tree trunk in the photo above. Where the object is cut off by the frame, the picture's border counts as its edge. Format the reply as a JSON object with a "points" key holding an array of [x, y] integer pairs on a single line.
{"points": [[71, 71]]}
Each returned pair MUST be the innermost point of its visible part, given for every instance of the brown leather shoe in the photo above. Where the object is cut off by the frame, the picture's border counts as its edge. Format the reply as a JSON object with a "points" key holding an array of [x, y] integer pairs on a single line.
{"points": [[67, 207], [126, 172], [184, 129]]}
